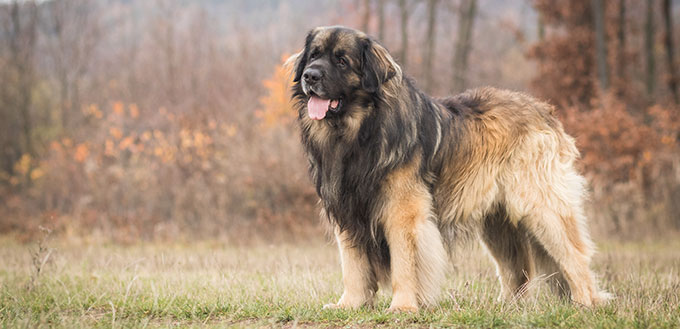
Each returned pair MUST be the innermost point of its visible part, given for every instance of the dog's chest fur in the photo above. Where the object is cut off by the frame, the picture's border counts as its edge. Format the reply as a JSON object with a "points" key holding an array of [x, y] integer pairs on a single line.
{"points": [[350, 157], [346, 164]]}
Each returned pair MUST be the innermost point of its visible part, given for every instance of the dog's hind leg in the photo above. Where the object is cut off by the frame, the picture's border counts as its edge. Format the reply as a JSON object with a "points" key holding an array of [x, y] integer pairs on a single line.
{"points": [[549, 269], [562, 240], [509, 246], [358, 277], [551, 209]]}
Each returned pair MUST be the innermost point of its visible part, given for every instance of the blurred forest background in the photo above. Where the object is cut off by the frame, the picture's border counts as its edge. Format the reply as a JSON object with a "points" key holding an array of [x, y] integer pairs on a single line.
{"points": [[158, 119]]}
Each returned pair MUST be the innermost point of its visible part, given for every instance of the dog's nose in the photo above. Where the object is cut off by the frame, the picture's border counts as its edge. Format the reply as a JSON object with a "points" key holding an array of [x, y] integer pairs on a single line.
{"points": [[312, 75]]}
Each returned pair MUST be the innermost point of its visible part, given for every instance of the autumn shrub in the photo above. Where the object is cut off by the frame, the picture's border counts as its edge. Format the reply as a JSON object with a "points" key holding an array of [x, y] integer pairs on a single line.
{"points": [[632, 161], [628, 136], [133, 173], [162, 127], [565, 57]]}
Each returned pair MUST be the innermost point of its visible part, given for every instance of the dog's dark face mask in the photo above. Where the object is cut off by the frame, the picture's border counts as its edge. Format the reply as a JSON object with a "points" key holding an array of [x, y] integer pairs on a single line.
{"points": [[338, 65]]}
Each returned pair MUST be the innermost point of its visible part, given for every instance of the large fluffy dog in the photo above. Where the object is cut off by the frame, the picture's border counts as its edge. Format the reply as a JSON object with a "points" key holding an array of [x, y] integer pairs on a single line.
{"points": [[402, 176]]}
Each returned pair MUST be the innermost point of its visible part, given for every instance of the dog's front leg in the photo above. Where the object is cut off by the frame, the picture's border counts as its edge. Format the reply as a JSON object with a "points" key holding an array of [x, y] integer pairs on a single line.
{"points": [[417, 255], [401, 240], [358, 278]]}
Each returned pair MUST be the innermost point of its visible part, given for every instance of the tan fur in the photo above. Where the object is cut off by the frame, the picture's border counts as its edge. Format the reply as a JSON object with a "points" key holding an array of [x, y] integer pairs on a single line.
{"points": [[519, 156], [388, 65], [510, 178], [418, 258], [515, 158], [358, 279]]}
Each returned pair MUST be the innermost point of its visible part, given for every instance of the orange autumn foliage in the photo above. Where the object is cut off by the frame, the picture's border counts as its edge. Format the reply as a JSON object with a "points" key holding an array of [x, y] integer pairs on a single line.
{"points": [[276, 107]]}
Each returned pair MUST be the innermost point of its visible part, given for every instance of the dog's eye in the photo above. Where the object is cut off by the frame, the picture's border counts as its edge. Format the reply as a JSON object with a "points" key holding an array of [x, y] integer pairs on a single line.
{"points": [[342, 62], [314, 54]]}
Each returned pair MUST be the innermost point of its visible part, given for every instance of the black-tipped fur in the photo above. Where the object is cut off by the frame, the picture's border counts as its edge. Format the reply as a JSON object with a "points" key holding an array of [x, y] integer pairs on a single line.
{"points": [[400, 175]]}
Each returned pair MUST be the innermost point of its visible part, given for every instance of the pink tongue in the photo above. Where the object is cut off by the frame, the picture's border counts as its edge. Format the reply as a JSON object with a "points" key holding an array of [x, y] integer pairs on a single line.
{"points": [[317, 107]]}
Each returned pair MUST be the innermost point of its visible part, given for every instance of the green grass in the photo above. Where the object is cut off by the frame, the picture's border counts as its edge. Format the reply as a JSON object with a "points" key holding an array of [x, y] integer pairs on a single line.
{"points": [[213, 285]]}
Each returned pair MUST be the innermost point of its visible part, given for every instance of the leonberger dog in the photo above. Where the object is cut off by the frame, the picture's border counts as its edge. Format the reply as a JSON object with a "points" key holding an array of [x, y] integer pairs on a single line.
{"points": [[402, 177]]}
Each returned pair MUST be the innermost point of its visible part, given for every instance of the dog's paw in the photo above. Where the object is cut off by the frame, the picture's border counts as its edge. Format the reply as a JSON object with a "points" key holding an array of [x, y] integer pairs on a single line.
{"points": [[602, 298], [349, 302], [403, 302], [402, 309], [341, 306]]}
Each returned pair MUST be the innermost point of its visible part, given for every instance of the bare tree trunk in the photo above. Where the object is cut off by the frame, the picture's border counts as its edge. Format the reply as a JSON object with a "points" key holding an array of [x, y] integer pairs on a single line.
{"points": [[600, 44], [22, 47], [61, 70], [381, 20], [541, 27], [165, 37], [468, 10], [430, 42], [621, 49], [403, 54], [366, 18], [649, 49], [670, 56], [170, 63], [71, 35]]}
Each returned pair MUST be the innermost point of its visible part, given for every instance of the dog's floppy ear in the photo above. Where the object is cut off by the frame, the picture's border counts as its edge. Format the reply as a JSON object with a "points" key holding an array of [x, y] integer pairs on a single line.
{"points": [[292, 61], [377, 66], [302, 56]]}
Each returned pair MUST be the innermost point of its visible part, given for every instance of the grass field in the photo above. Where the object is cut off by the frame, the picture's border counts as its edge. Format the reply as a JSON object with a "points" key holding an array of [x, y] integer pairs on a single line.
{"points": [[213, 285]]}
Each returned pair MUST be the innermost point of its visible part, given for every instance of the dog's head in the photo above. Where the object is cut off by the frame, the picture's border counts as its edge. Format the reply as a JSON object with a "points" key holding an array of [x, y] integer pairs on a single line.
{"points": [[339, 67]]}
